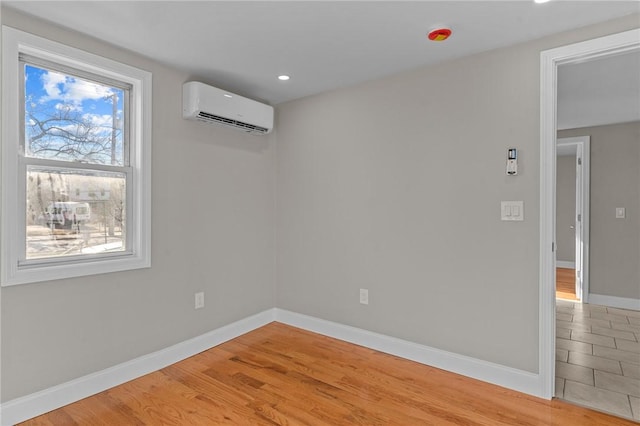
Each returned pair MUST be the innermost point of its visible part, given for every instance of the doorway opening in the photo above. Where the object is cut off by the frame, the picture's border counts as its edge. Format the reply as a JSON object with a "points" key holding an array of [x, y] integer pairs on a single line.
{"points": [[572, 218], [616, 44]]}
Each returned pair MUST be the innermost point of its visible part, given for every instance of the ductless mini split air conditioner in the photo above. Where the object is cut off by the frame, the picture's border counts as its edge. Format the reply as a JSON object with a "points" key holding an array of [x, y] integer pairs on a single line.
{"points": [[209, 104]]}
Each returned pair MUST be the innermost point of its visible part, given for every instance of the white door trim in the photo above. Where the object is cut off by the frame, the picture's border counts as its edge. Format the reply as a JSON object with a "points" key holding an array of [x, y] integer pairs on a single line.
{"points": [[583, 161], [549, 61]]}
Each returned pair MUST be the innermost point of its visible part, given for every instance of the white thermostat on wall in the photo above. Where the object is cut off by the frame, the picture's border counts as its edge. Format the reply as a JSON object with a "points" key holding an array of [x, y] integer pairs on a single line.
{"points": [[512, 161]]}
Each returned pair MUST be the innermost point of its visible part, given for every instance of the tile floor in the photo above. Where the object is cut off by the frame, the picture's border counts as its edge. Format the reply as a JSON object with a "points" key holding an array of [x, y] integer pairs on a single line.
{"points": [[598, 357]]}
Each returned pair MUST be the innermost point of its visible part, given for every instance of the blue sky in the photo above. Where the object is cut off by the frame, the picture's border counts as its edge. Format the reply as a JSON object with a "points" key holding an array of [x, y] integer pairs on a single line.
{"points": [[49, 93]]}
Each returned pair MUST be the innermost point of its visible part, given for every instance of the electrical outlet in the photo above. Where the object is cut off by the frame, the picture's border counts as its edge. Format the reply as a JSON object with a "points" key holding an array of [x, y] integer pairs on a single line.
{"points": [[199, 300], [364, 296]]}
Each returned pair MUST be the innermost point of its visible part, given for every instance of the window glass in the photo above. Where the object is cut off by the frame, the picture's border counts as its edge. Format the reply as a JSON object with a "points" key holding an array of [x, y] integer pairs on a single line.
{"points": [[74, 212], [70, 118]]}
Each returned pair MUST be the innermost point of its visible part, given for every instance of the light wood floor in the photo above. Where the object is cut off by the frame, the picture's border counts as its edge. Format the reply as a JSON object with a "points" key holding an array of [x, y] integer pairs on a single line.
{"points": [[566, 283], [286, 376]]}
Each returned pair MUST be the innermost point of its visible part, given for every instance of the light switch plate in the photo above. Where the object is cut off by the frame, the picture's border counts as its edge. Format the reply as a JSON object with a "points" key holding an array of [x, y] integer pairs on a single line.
{"points": [[512, 210], [621, 212]]}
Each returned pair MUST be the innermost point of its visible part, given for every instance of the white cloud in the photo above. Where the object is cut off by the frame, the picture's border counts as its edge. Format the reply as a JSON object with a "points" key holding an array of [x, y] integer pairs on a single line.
{"points": [[68, 107], [97, 120], [71, 90]]}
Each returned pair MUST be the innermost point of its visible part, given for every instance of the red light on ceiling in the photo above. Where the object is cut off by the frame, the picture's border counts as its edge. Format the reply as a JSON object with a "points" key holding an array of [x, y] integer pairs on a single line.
{"points": [[441, 34]]}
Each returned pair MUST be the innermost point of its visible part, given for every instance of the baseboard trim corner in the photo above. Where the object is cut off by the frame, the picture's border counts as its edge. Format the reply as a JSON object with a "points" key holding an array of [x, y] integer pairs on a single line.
{"points": [[565, 264], [518, 380], [35, 404], [614, 301]]}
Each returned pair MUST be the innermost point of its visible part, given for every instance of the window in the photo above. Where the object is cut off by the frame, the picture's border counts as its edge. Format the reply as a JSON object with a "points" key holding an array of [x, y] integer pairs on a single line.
{"points": [[75, 162]]}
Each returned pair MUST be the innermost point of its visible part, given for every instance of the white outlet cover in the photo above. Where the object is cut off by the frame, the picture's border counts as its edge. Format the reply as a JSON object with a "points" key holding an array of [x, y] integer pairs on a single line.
{"points": [[364, 296], [199, 300]]}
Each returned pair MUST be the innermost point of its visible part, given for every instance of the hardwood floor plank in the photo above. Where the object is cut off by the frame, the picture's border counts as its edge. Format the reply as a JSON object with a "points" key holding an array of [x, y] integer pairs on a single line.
{"points": [[566, 283], [347, 395], [206, 385], [315, 395], [281, 375]]}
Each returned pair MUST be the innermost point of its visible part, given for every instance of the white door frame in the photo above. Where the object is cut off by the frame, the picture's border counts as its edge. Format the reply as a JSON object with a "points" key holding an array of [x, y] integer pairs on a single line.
{"points": [[581, 216], [549, 62]]}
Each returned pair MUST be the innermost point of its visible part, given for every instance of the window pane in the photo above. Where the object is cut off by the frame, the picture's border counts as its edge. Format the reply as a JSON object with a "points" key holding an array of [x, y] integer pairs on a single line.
{"points": [[74, 212], [72, 119]]}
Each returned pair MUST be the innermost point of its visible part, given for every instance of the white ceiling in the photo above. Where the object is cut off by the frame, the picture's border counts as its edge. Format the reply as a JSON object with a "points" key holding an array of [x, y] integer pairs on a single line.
{"points": [[242, 46]]}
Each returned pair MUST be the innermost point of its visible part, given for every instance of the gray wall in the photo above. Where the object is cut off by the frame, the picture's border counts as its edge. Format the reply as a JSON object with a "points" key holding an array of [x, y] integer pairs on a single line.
{"points": [[212, 231], [566, 208], [615, 182], [395, 185]]}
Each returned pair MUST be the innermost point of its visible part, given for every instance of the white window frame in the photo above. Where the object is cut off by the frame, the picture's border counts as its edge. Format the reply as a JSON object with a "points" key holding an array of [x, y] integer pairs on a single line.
{"points": [[13, 269]]}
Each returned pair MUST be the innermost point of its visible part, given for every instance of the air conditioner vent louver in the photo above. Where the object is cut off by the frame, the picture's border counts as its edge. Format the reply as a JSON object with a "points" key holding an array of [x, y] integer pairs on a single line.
{"points": [[249, 128], [209, 104]]}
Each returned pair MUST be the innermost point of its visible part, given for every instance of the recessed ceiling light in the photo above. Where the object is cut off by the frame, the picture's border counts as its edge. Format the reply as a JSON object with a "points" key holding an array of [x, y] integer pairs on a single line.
{"points": [[226, 95], [283, 77], [541, 1]]}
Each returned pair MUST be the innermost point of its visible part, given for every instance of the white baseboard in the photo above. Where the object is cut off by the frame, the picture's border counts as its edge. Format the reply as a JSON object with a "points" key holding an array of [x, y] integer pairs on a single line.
{"points": [[565, 264], [614, 302], [29, 406], [519, 380]]}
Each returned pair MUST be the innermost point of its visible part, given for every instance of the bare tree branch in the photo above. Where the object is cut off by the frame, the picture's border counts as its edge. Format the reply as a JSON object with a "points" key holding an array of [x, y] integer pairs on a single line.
{"points": [[66, 134]]}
